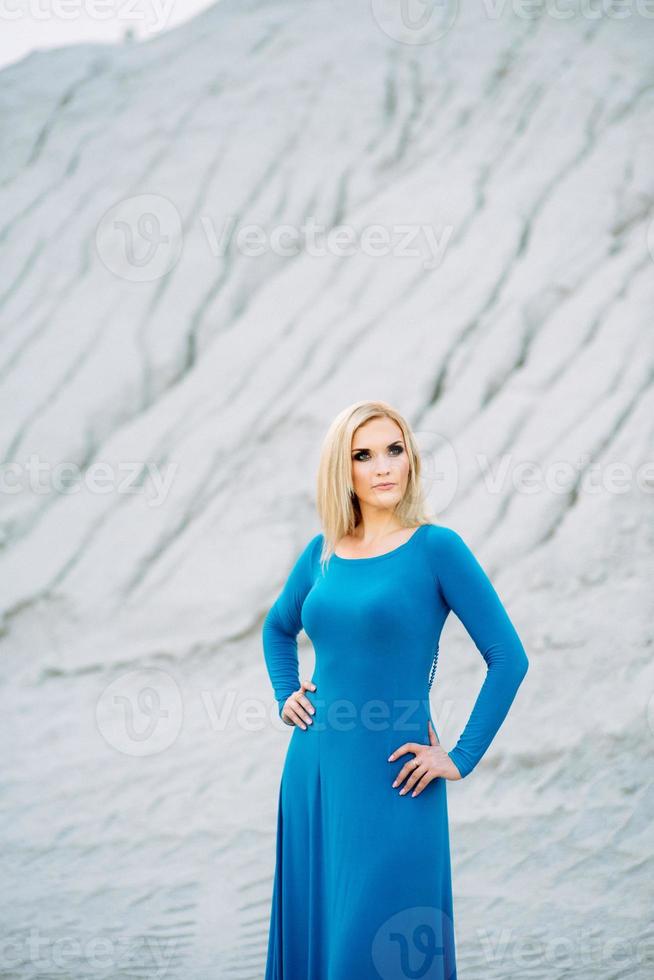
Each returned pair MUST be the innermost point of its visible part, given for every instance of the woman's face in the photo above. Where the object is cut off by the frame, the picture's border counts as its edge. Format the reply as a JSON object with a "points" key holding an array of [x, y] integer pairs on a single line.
{"points": [[379, 456]]}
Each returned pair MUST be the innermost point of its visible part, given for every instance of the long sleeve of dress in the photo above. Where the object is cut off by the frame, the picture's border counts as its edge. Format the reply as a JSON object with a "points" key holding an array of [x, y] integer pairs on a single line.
{"points": [[283, 623], [469, 593]]}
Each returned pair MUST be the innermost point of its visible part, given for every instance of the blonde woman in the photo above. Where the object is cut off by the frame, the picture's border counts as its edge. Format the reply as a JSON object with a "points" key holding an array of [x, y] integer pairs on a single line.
{"points": [[362, 885]]}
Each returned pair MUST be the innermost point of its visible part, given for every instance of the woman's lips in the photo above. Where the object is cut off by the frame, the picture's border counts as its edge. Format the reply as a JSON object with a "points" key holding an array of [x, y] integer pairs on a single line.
{"points": [[383, 486]]}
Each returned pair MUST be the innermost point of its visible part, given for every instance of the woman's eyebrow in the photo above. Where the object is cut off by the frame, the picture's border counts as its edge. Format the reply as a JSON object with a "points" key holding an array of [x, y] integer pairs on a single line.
{"points": [[364, 449]]}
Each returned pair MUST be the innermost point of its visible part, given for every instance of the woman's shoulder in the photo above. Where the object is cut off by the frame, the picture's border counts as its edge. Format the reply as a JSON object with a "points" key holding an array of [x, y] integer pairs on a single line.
{"points": [[313, 547], [441, 533], [444, 542]]}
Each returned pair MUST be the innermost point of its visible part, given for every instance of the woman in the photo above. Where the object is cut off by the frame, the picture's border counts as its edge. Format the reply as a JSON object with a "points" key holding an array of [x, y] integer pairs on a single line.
{"points": [[362, 885]]}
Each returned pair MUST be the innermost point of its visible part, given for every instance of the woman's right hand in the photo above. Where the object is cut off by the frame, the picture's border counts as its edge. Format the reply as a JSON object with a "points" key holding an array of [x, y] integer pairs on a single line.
{"points": [[297, 706]]}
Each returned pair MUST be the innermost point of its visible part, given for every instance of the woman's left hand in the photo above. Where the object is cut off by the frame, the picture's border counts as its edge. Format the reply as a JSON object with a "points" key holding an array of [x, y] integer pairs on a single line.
{"points": [[430, 762]]}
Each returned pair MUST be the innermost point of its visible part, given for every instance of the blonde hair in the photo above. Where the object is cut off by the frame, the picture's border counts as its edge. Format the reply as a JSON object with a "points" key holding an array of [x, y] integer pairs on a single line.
{"points": [[337, 504]]}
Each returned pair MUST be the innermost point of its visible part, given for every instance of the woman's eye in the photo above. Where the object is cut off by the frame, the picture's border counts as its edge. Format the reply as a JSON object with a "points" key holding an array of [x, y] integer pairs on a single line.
{"points": [[394, 451]]}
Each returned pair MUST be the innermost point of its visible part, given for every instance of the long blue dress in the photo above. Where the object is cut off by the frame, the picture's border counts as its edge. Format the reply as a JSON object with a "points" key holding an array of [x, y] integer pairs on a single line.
{"points": [[362, 886]]}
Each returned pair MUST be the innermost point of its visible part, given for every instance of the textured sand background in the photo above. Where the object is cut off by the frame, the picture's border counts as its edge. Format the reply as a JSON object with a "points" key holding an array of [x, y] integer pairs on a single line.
{"points": [[142, 753]]}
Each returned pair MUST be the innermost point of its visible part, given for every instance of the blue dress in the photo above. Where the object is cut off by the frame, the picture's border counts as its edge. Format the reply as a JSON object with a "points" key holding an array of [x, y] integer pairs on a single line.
{"points": [[362, 887]]}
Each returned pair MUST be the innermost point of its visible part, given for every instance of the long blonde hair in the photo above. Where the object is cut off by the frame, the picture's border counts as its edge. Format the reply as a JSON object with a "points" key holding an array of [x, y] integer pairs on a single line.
{"points": [[337, 504]]}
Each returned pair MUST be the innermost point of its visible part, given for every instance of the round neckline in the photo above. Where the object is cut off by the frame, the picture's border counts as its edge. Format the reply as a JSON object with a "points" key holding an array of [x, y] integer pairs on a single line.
{"points": [[385, 554]]}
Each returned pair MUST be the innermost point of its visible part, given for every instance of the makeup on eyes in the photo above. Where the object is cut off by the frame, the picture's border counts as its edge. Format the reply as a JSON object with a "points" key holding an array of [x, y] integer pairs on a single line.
{"points": [[393, 445]]}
